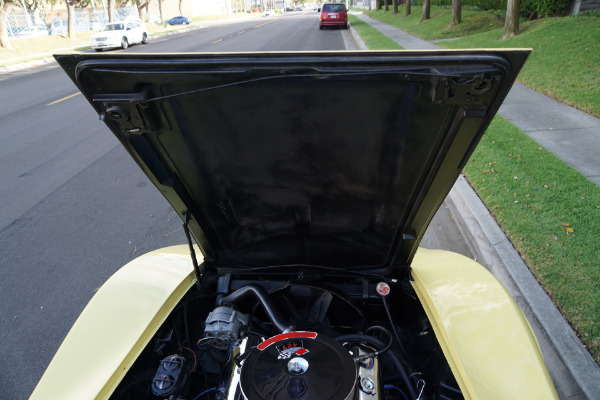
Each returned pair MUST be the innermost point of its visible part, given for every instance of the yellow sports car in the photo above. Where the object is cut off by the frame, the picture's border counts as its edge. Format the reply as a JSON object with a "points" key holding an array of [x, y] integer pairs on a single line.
{"points": [[305, 182]]}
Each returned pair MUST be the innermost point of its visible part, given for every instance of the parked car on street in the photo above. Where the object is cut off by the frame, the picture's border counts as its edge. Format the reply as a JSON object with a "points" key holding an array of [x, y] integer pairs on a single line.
{"points": [[269, 12], [333, 14], [180, 20], [119, 34]]}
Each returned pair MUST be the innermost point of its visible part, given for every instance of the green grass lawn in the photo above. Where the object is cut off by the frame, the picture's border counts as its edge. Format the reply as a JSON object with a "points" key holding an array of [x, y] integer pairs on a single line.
{"points": [[551, 214], [565, 63], [438, 27]]}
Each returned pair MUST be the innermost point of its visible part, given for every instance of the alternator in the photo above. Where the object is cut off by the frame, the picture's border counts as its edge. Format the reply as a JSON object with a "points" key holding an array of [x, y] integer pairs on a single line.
{"points": [[223, 325]]}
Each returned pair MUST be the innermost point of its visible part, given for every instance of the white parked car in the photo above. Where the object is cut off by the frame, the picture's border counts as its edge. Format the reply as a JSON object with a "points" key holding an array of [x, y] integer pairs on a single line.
{"points": [[119, 34], [268, 12]]}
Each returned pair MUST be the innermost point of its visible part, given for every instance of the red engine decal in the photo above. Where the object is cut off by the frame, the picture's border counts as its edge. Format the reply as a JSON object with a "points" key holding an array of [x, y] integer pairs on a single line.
{"points": [[283, 336]]}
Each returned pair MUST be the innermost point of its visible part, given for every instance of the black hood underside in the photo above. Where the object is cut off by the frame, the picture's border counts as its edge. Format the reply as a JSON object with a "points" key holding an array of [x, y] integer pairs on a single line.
{"points": [[286, 159]]}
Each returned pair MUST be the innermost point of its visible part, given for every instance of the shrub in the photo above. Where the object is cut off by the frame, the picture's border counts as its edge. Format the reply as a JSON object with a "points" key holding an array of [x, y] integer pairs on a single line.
{"points": [[543, 8]]}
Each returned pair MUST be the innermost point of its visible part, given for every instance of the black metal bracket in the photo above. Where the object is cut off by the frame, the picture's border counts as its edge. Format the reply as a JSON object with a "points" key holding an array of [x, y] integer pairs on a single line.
{"points": [[199, 276]]}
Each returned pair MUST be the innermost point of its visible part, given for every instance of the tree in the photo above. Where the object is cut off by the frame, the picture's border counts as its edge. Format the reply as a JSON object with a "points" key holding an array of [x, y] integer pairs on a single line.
{"points": [[511, 23], [395, 4], [456, 19], [71, 4], [71, 15], [4, 6], [407, 9], [386, 7], [141, 4], [426, 11], [378, 4], [160, 11]]}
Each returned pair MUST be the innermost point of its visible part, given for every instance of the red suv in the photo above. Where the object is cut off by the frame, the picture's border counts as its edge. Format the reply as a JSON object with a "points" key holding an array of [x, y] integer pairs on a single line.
{"points": [[333, 14]]}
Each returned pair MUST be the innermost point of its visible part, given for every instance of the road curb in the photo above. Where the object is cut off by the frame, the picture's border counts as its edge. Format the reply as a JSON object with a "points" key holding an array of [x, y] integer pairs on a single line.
{"points": [[573, 370], [359, 40]]}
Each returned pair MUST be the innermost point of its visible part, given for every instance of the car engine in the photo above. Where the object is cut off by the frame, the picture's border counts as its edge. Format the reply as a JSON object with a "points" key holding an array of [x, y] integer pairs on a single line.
{"points": [[355, 339]]}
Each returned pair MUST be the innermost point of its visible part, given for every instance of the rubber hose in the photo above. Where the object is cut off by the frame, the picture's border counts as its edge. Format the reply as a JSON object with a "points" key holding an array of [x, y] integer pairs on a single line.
{"points": [[265, 300]]}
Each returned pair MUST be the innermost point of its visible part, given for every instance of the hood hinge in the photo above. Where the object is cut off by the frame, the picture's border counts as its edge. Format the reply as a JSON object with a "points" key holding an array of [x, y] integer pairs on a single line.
{"points": [[130, 114], [186, 229]]}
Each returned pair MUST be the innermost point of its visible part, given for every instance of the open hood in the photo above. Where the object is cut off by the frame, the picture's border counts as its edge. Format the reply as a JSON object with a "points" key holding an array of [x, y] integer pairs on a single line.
{"points": [[333, 159]]}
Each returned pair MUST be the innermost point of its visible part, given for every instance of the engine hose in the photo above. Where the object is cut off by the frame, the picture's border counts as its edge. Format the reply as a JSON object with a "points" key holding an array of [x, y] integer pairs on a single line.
{"points": [[380, 345], [265, 300]]}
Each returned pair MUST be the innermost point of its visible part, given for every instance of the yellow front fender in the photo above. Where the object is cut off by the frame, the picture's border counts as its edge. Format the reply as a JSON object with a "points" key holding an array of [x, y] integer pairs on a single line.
{"points": [[487, 340], [116, 325]]}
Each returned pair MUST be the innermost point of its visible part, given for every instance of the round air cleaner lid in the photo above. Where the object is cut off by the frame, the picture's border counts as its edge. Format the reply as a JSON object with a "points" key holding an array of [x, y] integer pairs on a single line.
{"points": [[299, 365]]}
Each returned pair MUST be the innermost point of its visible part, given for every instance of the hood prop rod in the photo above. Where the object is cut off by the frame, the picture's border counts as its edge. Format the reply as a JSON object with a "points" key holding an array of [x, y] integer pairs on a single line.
{"points": [[186, 229]]}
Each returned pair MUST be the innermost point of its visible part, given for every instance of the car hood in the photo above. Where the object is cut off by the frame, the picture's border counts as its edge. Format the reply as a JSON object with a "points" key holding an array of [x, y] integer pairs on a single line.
{"points": [[329, 159]]}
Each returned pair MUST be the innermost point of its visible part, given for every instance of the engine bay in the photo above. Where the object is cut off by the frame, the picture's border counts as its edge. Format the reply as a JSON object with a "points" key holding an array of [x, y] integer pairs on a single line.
{"points": [[240, 337]]}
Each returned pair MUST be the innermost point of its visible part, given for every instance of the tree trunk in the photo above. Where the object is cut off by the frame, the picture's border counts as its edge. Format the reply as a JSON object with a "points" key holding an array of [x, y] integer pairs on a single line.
{"points": [[426, 11], [4, 41], [386, 7], [111, 10], [140, 7], [511, 23], [71, 16], [456, 19], [395, 6], [160, 11], [378, 4], [407, 9]]}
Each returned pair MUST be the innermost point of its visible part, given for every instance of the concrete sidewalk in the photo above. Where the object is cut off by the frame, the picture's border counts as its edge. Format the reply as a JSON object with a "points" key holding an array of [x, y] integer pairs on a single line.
{"points": [[574, 137]]}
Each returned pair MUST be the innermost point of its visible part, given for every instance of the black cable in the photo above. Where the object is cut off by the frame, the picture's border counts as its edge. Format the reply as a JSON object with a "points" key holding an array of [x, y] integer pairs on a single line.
{"points": [[378, 352], [306, 75], [185, 323]]}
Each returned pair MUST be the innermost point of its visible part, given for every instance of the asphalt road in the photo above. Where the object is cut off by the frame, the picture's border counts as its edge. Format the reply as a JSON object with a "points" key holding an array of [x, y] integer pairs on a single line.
{"points": [[75, 207]]}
